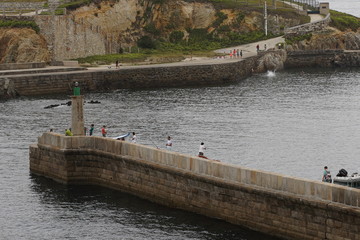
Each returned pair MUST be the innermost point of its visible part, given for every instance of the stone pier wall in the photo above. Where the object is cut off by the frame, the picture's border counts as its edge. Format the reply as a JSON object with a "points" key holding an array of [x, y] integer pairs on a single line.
{"points": [[278, 205], [145, 77], [322, 58]]}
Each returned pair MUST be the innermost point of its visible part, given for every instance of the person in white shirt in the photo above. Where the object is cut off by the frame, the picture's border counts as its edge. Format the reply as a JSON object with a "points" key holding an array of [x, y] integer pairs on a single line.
{"points": [[202, 148], [133, 139], [169, 143]]}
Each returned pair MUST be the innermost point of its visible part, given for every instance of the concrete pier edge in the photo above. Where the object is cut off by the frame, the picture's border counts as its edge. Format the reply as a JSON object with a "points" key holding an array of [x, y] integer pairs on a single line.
{"points": [[275, 204]]}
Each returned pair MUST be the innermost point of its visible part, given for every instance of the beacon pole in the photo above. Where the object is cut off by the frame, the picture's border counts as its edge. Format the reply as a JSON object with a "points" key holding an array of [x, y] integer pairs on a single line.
{"points": [[77, 112]]}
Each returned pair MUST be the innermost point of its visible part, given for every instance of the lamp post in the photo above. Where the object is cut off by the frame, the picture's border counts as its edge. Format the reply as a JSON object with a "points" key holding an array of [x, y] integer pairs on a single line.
{"points": [[77, 112], [265, 19]]}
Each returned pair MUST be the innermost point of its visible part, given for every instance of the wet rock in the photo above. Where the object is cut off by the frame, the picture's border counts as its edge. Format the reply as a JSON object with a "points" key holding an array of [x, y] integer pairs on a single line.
{"points": [[271, 61]]}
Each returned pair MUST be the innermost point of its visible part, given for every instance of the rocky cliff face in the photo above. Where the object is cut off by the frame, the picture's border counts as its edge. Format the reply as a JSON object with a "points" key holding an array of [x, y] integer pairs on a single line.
{"points": [[22, 45], [329, 39], [109, 27]]}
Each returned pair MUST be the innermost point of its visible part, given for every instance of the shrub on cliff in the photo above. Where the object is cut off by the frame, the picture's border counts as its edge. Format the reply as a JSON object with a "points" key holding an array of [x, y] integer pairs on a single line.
{"points": [[176, 36], [19, 24], [146, 42], [343, 21], [291, 40]]}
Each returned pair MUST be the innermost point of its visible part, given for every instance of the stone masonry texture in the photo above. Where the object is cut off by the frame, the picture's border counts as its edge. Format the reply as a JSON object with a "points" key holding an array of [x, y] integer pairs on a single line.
{"points": [[201, 186]]}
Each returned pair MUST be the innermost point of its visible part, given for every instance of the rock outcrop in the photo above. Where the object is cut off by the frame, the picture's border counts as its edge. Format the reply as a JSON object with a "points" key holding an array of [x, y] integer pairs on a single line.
{"points": [[329, 39], [271, 61], [21, 45]]}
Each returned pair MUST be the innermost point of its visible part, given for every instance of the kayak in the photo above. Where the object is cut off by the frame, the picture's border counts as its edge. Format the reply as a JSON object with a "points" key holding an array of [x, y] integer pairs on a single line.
{"points": [[122, 136]]}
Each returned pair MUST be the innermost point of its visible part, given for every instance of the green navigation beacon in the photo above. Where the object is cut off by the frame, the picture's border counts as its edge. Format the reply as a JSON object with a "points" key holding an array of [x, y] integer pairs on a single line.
{"points": [[76, 89]]}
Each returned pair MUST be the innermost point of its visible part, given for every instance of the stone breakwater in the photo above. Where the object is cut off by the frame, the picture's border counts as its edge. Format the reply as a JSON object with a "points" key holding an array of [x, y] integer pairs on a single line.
{"points": [[278, 205], [171, 76], [322, 58], [145, 77]]}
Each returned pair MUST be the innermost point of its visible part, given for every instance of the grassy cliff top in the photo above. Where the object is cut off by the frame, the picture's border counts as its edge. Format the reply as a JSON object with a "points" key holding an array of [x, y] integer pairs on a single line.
{"points": [[24, 1], [343, 21]]}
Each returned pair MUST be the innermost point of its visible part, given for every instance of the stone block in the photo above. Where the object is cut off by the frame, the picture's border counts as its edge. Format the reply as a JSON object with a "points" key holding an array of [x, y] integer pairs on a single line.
{"points": [[230, 172], [323, 191], [100, 143], [183, 161], [217, 169], [263, 179], [194, 164], [245, 176], [299, 186]]}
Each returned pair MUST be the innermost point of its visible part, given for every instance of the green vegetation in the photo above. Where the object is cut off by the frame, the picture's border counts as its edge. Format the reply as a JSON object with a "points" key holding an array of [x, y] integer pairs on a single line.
{"points": [[76, 4], [111, 58], [292, 40], [176, 36], [343, 21], [200, 43], [19, 24], [23, 1]]}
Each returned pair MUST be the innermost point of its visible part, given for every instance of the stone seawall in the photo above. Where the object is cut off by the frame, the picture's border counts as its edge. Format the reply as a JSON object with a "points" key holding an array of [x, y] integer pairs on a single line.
{"points": [[16, 66], [275, 204], [322, 58], [145, 77]]}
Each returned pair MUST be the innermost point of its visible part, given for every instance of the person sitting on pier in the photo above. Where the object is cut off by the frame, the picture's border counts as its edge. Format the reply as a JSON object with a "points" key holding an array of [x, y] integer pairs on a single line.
{"points": [[326, 175], [169, 143], [202, 148], [68, 132]]}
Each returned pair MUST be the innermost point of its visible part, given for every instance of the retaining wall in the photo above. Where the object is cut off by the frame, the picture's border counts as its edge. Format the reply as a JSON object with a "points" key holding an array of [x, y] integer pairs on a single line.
{"points": [[308, 27], [275, 204], [21, 5], [145, 77], [322, 58], [16, 66]]}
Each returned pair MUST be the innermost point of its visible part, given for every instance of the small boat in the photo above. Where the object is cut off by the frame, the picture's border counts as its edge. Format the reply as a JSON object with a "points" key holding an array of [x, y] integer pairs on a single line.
{"points": [[122, 136], [343, 179]]}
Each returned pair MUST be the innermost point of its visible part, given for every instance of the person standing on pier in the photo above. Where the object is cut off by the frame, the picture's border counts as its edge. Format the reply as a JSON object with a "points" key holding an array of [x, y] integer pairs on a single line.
{"points": [[169, 143], [134, 138], [103, 131], [326, 175], [202, 148], [91, 131]]}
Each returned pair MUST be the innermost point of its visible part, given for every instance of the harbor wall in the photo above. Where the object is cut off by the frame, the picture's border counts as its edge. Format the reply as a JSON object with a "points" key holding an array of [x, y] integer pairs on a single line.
{"points": [[275, 204], [45, 83], [144, 77], [322, 58]]}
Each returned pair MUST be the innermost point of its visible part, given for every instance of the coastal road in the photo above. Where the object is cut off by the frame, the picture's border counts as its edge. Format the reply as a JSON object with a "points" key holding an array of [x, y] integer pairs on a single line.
{"points": [[249, 50]]}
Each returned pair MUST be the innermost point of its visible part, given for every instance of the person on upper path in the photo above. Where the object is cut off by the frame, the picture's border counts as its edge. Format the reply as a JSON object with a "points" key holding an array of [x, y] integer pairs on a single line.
{"points": [[104, 131]]}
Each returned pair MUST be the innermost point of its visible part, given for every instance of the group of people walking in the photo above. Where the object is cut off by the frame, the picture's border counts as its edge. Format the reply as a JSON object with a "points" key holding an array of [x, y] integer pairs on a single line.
{"points": [[236, 53]]}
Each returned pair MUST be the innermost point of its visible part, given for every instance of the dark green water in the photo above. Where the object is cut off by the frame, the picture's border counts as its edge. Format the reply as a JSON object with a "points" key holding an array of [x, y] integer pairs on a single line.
{"points": [[292, 123]]}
